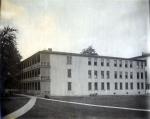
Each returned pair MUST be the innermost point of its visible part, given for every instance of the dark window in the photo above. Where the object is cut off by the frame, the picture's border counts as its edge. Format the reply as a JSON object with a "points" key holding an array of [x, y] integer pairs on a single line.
{"points": [[121, 86], [126, 85], [89, 61], [138, 86], [69, 86], [141, 75], [126, 75], [89, 74], [131, 75], [95, 62], [126, 64], [120, 63], [69, 73], [142, 85], [95, 74], [131, 65], [96, 86], [108, 63], [69, 60], [115, 63], [131, 86], [102, 86], [102, 74], [39, 86], [145, 74], [145, 63], [108, 74], [120, 75], [116, 86], [115, 74], [89, 86], [102, 62], [138, 64], [108, 86], [138, 75]]}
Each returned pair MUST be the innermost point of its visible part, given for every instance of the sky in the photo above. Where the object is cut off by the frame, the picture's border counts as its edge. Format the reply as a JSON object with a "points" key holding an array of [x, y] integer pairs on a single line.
{"points": [[113, 27]]}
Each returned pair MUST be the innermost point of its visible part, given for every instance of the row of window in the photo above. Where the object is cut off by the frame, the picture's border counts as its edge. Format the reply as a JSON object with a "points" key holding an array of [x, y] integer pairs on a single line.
{"points": [[117, 86], [31, 86], [118, 63], [32, 60], [30, 74], [106, 74]]}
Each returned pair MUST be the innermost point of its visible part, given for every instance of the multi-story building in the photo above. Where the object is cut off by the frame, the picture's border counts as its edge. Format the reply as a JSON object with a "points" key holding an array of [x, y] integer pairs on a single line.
{"points": [[55, 73]]}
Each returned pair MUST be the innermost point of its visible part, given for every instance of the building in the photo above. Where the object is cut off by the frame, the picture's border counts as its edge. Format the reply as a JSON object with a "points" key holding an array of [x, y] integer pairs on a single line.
{"points": [[55, 73]]}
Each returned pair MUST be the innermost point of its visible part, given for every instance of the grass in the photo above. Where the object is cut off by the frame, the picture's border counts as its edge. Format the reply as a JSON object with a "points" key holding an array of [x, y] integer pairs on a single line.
{"points": [[55, 110], [12, 103]]}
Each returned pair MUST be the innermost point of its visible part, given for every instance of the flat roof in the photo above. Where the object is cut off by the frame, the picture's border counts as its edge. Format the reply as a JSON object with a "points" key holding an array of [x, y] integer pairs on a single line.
{"points": [[82, 55]]}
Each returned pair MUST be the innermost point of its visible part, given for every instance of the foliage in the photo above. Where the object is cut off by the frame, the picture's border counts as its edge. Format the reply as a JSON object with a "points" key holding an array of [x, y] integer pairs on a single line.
{"points": [[9, 57], [89, 51]]}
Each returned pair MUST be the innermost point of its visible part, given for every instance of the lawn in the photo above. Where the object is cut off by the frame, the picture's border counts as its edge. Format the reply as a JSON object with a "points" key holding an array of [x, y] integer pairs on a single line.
{"points": [[12, 103], [45, 109]]}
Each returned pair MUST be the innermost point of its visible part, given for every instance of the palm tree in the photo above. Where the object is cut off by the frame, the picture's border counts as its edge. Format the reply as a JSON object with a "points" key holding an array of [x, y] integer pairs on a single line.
{"points": [[9, 55]]}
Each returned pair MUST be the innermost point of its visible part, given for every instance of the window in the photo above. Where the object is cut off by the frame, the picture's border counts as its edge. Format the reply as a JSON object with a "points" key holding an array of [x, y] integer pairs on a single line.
{"points": [[102, 86], [131, 86], [95, 74], [39, 86], [116, 86], [126, 64], [131, 75], [69, 86], [138, 75], [142, 86], [145, 74], [69, 73], [115, 63], [69, 60], [108, 86], [89, 74], [126, 85], [102, 62], [115, 74], [126, 75], [141, 75], [120, 63], [96, 86], [120, 75], [108, 63], [108, 74], [142, 65], [138, 86], [121, 86], [89, 61], [131, 64], [138, 64], [95, 62], [89, 86], [145, 63], [102, 74]]}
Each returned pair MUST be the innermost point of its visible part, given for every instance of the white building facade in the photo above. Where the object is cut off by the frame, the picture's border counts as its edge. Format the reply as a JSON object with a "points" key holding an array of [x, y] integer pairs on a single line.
{"points": [[69, 74]]}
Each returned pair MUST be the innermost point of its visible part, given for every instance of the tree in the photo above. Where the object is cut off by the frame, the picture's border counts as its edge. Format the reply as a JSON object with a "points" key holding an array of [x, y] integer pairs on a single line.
{"points": [[89, 51], [9, 58]]}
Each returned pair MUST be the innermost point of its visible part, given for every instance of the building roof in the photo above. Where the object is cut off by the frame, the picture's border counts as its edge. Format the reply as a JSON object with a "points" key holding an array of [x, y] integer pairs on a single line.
{"points": [[49, 51]]}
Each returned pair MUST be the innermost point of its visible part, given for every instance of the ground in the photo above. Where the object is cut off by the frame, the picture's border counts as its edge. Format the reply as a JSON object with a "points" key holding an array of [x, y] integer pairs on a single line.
{"points": [[10, 104], [45, 109]]}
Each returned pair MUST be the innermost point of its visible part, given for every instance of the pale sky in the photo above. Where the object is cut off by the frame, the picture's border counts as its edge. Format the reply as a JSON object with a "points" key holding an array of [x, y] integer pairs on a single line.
{"points": [[113, 27]]}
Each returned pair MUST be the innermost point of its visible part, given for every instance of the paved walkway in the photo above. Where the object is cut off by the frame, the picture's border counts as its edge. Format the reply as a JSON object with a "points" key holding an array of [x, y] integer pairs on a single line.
{"points": [[23, 109]]}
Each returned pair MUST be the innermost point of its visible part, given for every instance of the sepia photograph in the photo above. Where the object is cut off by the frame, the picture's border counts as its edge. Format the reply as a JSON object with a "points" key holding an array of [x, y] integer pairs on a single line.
{"points": [[74, 59]]}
